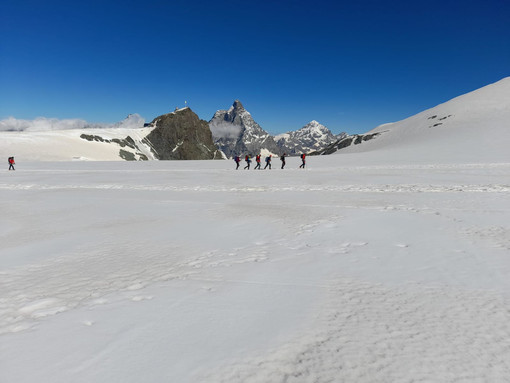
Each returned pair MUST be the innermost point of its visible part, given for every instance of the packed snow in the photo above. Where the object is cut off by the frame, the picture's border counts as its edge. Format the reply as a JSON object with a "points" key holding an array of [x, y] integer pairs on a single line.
{"points": [[194, 272], [360, 268]]}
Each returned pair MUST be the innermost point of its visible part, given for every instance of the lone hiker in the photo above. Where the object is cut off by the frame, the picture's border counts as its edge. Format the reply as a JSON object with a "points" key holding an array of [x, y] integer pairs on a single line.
{"points": [[248, 162], [237, 159], [268, 162], [303, 160], [282, 158], [11, 163], [257, 159]]}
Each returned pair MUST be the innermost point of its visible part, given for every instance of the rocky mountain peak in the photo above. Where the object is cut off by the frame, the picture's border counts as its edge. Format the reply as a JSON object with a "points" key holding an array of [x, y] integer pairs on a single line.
{"points": [[315, 127], [181, 135], [237, 105], [236, 132], [310, 138]]}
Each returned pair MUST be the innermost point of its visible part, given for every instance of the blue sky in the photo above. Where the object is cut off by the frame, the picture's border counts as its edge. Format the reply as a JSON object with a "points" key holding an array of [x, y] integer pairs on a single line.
{"points": [[349, 65]]}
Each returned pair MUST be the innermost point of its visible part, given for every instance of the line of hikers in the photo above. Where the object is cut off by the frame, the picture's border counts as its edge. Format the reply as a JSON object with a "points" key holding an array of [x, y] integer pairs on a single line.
{"points": [[248, 158], [237, 160]]}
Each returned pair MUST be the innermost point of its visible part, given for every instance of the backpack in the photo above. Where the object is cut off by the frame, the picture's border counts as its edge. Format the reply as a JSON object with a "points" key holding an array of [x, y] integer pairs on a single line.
{"points": [[303, 156], [246, 158]]}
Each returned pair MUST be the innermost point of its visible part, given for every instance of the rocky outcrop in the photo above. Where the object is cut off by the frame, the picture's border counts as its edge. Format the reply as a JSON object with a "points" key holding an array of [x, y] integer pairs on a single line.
{"points": [[130, 151], [346, 141], [181, 135]]}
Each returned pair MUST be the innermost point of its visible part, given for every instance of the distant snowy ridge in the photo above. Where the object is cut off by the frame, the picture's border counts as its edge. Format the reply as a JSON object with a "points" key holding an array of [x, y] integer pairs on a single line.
{"points": [[310, 138], [65, 140], [51, 139]]}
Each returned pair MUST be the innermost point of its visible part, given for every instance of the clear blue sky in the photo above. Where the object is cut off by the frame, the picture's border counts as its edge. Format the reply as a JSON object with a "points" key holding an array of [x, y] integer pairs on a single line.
{"points": [[349, 65]]}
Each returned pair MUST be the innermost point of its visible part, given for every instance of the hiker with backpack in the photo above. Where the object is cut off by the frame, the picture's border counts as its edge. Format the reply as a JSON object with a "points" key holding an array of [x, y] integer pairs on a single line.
{"points": [[257, 159], [11, 163], [248, 162], [303, 160], [237, 159], [268, 162], [282, 158]]}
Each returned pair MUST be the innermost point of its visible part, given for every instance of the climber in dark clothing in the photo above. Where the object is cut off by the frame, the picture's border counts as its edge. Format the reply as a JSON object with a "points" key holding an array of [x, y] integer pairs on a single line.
{"points": [[268, 162], [282, 158], [248, 162]]}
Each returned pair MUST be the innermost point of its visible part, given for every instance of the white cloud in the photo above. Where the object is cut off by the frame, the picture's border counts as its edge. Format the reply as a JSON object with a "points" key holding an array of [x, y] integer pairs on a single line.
{"points": [[44, 124], [225, 130]]}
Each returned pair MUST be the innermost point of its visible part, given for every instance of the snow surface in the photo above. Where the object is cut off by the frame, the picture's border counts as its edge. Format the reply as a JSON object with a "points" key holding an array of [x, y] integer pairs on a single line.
{"points": [[190, 271], [386, 265]]}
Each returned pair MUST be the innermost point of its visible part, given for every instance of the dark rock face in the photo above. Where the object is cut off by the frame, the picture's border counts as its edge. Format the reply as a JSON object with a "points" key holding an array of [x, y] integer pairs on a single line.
{"points": [[128, 141], [344, 142], [123, 143], [125, 155], [181, 135], [438, 123]]}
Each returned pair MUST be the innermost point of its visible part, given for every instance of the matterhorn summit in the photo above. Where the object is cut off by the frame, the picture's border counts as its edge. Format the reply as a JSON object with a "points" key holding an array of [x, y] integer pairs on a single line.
{"points": [[236, 132], [310, 138]]}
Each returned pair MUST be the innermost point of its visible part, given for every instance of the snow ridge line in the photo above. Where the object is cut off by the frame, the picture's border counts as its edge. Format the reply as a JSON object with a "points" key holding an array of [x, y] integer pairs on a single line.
{"points": [[399, 188]]}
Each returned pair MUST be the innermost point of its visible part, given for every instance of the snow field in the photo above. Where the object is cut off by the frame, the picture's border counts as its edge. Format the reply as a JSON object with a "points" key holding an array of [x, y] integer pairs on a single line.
{"points": [[374, 333], [195, 272]]}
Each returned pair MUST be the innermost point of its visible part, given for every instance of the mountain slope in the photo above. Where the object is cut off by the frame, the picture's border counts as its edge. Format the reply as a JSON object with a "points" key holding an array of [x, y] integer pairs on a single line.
{"points": [[474, 127]]}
